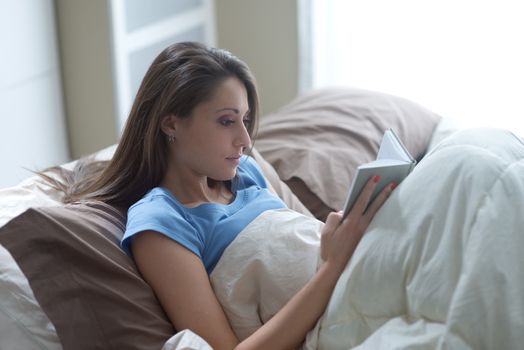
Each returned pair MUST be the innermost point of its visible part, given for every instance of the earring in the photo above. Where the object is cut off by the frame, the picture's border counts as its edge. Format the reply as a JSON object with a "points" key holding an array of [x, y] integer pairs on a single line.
{"points": [[171, 138]]}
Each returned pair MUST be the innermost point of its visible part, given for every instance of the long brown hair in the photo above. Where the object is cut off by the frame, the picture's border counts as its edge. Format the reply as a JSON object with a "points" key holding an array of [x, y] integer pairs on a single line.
{"points": [[182, 76]]}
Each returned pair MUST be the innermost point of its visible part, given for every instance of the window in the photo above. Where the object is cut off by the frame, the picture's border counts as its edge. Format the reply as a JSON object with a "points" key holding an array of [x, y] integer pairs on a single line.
{"points": [[141, 31], [459, 58]]}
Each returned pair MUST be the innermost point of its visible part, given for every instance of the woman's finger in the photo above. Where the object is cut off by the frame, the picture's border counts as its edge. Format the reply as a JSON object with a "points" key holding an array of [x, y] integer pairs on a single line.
{"points": [[364, 197], [378, 201], [332, 222]]}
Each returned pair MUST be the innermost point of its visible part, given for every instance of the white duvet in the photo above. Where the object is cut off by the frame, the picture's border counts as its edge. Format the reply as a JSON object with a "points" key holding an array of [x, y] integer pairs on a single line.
{"points": [[441, 266]]}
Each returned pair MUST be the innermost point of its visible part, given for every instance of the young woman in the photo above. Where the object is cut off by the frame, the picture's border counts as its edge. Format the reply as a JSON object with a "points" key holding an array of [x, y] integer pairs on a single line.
{"points": [[180, 168]]}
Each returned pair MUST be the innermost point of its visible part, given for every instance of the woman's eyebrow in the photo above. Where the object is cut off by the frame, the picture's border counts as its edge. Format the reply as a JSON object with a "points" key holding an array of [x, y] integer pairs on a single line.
{"points": [[236, 111]]}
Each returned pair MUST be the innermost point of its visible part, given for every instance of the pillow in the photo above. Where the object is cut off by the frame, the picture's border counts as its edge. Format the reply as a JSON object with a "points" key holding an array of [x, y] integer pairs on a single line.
{"points": [[23, 323], [316, 141], [88, 287], [31, 192]]}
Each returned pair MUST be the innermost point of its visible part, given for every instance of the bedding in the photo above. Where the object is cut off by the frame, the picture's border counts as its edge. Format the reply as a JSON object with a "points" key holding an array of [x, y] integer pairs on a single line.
{"points": [[29, 317], [278, 253], [439, 267]]}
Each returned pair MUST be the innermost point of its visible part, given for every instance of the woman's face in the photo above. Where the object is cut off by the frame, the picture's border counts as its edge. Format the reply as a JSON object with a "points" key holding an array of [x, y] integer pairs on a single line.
{"points": [[210, 142]]}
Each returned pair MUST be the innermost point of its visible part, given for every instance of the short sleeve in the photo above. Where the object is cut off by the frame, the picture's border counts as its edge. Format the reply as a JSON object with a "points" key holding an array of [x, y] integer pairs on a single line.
{"points": [[156, 213]]}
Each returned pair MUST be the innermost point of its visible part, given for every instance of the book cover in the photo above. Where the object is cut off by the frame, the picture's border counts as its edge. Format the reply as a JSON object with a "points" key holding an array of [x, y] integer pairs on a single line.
{"points": [[393, 164]]}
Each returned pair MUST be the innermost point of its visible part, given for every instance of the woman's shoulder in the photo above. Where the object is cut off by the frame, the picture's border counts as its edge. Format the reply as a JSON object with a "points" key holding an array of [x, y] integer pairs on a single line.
{"points": [[157, 199], [158, 208]]}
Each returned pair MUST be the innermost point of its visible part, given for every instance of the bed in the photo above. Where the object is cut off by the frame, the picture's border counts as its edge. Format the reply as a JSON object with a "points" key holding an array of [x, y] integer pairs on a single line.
{"points": [[438, 267]]}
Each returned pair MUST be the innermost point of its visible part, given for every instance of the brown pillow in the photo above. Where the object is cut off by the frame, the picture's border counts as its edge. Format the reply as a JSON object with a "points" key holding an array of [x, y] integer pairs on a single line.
{"points": [[316, 141], [88, 287]]}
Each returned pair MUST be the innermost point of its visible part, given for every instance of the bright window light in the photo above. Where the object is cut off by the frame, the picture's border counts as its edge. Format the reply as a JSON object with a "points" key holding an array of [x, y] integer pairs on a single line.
{"points": [[463, 59]]}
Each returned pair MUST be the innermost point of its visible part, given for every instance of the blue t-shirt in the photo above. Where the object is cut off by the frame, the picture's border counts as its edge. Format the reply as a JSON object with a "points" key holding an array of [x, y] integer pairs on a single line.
{"points": [[209, 228]]}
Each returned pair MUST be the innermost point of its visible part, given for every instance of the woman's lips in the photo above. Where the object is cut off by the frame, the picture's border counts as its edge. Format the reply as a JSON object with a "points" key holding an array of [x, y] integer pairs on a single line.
{"points": [[235, 159]]}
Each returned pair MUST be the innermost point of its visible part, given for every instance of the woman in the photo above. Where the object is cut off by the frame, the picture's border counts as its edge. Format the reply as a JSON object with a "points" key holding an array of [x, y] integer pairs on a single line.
{"points": [[181, 160]]}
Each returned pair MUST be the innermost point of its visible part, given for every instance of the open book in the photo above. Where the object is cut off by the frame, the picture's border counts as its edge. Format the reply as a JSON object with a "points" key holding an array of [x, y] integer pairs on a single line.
{"points": [[393, 164]]}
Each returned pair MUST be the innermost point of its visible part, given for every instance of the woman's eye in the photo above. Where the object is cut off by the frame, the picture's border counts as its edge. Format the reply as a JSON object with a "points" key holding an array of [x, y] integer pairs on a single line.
{"points": [[227, 122], [247, 122]]}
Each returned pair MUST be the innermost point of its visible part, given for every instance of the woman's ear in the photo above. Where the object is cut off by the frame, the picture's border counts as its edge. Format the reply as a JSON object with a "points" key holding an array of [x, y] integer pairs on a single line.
{"points": [[168, 125]]}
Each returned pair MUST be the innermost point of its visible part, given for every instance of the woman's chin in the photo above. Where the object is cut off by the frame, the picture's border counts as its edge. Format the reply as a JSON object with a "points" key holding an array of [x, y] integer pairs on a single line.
{"points": [[225, 176]]}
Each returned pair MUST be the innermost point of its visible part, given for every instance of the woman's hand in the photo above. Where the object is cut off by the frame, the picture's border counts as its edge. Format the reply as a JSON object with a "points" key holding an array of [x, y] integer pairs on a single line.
{"points": [[340, 237]]}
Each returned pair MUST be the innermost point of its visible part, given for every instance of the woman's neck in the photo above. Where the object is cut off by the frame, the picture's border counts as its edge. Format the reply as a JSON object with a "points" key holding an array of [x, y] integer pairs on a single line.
{"points": [[194, 193]]}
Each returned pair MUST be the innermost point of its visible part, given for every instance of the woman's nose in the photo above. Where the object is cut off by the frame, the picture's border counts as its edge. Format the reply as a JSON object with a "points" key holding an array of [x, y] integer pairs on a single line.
{"points": [[243, 139]]}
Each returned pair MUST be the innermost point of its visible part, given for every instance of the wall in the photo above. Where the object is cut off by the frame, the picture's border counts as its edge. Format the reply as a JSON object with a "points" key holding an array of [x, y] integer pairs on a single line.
{"points": [[85, 44], [265, 35], [33, 130], [106, 46], [32, 124]]}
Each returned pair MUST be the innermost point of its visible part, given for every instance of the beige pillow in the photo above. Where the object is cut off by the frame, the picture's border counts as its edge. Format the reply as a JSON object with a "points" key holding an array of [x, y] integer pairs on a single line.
{"points": [[88, 287], [316, 141]]}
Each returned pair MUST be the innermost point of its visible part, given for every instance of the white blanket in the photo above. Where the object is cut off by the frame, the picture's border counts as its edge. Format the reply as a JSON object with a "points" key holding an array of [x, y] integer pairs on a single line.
{"points": [[441, 265], [271, 259]]}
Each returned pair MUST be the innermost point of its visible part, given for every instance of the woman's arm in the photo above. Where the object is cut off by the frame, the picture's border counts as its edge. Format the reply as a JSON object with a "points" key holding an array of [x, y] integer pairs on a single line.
{"points": [[182, 285]]}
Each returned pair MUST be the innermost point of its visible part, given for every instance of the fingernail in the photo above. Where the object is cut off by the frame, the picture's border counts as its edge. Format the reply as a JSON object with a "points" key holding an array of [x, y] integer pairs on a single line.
{"points": [[393, 185], [376, 178]]}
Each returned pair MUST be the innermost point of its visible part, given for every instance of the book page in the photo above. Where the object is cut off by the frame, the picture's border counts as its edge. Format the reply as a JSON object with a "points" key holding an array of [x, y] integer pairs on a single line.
{"points": [[382, 163], [392, 148]]}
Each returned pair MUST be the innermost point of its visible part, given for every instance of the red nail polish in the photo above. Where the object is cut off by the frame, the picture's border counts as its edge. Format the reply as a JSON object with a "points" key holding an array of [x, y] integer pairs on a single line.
{"points": [[393, 185], [376, 178]]}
